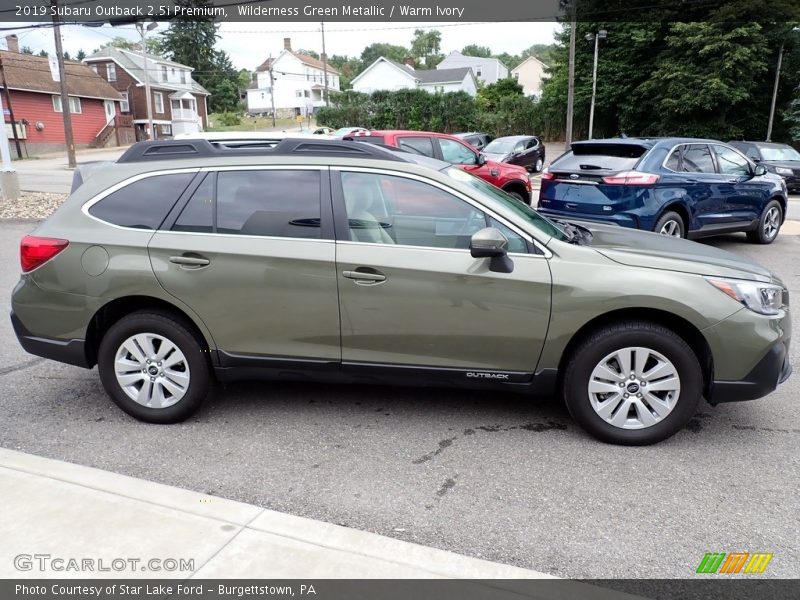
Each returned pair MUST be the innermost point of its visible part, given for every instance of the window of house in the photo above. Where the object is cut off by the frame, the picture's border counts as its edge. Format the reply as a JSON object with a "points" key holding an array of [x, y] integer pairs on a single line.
{"points": [[74, 104], [94, 68], [183, 76], [278, 203], [158, 100], [478, 71], [124, 106], [164, 75], [516, 76], [298, 93], [111, 71]]}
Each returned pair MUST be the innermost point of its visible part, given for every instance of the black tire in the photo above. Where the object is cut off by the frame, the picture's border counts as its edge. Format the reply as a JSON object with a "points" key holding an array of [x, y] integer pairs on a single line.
{"points": [[668, 220], [181, 335], [763, 234], [518, 196], [635, 334], [538, 165]]}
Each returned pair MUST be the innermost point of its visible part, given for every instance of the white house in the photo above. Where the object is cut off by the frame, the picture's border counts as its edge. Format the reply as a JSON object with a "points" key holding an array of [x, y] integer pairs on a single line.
{"points": [[486, 70], [297, 81], [385, 74], [529, 74]]}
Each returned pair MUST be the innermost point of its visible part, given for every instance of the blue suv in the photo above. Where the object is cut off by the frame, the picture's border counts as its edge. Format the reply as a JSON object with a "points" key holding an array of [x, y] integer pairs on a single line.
{"points": [[683, 187]]}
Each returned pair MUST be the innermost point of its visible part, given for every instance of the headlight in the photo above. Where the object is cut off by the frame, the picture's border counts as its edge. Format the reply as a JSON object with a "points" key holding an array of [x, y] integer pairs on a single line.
{"points": [[783, 171], [763, 298]]}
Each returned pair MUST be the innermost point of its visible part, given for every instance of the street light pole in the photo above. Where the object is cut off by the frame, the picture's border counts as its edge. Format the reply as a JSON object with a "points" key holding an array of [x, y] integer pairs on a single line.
{"points": [[602, 34], [775, 87], [143, 32]]}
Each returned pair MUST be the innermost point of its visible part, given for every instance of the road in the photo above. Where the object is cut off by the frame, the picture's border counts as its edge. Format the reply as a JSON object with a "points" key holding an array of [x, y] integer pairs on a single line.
{"points": [[488, 475]]}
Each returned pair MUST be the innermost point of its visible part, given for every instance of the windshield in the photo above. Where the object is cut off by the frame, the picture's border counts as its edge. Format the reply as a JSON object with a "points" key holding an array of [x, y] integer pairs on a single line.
{"points": [[500, 146], [782, 153], [497, 195]]}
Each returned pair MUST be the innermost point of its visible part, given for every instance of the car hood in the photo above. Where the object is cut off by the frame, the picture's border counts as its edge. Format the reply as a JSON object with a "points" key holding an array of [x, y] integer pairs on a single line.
{"points": [[788, 164], [497, 157], [637, 248]]}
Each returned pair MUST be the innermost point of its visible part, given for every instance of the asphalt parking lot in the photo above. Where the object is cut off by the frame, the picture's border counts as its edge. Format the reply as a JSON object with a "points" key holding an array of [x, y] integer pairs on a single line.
{"points": [[488, 475]]}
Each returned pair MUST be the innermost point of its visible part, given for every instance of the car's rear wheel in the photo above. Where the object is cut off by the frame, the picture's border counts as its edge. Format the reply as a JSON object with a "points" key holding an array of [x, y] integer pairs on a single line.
{"points": [[633, 383], [671, 224], [769, 224], [153, 367]]}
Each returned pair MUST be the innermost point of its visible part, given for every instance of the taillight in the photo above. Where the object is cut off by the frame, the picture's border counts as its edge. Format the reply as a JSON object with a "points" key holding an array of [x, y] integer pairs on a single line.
{"points": [[35, 251], [548, 175], [631, 178]]}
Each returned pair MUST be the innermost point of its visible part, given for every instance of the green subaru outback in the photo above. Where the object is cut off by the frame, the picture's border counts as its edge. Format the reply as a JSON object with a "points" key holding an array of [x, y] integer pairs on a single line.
{"points": [[191, 261]]}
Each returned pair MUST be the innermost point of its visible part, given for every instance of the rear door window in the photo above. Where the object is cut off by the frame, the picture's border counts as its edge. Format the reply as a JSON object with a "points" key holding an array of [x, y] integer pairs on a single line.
{"points": [[143, 204], [417, 145], [696, 158], [278, 203], [198, 214], [600, 157]]}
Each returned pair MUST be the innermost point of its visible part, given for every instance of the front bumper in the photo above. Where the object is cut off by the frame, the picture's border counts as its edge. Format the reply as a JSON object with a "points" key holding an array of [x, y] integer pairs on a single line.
{"points": [[771, 371], [72, 352]]}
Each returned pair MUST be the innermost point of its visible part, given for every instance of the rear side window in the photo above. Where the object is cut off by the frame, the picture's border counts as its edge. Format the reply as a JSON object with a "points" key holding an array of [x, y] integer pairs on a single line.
{"points": [[142, 204], [600, 157], [417, 145], [278, 203], [198, 214], [696, 158]]}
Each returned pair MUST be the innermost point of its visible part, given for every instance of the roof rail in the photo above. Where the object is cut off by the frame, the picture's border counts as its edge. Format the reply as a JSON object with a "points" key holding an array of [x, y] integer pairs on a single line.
{"points": [[202, 148]]}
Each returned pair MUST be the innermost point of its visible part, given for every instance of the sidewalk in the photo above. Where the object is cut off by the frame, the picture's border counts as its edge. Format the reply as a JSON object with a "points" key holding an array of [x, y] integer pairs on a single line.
{"points": [[70, 511]]}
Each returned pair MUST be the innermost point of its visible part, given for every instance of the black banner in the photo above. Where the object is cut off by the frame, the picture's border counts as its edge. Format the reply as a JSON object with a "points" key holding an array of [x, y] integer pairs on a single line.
{"points": [[385, 589], [462, 11]]}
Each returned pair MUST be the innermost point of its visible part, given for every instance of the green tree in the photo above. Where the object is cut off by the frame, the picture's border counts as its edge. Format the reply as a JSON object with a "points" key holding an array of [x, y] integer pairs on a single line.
{"points": [[80, 55], [42, 53], [489, 96], [27, 50], [425, 46], [391, 51], [475, 50]]}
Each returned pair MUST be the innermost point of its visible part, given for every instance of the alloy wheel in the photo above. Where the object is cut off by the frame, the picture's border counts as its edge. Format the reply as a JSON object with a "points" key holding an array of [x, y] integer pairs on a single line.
{"points": [[152, 370], [772, 222], [634, 388], [671, 228]]}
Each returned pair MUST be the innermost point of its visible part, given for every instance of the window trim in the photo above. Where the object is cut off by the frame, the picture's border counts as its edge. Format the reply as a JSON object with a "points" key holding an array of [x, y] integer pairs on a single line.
{"points": [[680, 159], [540, 249], [747, 160], [111, 68], [125, 103], [159, 95], [70, 99]]}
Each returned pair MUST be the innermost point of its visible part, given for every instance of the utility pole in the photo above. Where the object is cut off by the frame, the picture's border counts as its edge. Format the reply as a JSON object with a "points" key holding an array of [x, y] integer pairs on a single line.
{"points": [[143, 32], [596, 37], [10, 110], [272, 90], [775, 86], [62, 76], [324, 65], [9, 182], [571, 76]]}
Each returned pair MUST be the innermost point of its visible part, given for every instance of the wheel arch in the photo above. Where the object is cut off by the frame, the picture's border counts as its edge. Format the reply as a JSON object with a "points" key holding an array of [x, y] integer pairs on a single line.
{"points": [[118, 308], [516, 186], [683, 328], [677, 207]]}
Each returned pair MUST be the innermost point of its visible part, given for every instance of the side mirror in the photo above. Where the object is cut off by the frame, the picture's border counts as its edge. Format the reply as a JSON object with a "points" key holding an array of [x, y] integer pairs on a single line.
{"points": [[491, 243], [481, 159], [760, 170]]}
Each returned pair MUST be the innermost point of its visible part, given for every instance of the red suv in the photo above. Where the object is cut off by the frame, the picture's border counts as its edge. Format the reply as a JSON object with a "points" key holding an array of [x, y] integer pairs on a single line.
{"points": [[510, 178]]}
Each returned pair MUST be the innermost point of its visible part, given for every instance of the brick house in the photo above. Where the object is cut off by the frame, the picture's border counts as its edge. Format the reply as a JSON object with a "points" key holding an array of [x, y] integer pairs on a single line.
{"points": [[179, 103], [36, 102]]}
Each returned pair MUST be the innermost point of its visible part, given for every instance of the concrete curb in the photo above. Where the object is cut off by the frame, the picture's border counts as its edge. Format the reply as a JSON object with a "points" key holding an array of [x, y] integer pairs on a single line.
{"points": [[71, 511]]}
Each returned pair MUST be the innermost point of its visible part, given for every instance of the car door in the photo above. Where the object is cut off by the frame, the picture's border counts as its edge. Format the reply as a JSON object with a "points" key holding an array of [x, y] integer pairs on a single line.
{"points": [[411, 294], [252, 253], [744, 194], [703, 184], [464, 157]]}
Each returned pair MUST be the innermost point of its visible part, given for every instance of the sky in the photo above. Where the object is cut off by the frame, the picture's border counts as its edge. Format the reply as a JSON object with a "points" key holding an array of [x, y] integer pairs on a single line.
{"points": [[248, 44]]}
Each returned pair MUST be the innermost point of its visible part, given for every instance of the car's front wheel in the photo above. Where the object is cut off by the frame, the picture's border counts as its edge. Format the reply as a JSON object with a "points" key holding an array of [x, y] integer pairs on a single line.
{"points": [[538, 165], [633, 383], [769, 224], [153, 367], [518, 195]]}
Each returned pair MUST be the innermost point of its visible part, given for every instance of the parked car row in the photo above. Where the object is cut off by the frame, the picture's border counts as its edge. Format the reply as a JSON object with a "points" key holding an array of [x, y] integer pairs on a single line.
{"points": [[195, 260]]}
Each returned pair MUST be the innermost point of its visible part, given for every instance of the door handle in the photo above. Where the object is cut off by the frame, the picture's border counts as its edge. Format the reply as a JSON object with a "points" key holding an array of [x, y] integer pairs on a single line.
{"points": [[189, 261], [365, 276]]}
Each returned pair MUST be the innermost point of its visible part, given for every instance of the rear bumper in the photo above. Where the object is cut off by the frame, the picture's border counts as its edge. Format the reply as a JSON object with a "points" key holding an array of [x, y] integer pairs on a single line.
{"points": [[771, 371], [71, 352]]}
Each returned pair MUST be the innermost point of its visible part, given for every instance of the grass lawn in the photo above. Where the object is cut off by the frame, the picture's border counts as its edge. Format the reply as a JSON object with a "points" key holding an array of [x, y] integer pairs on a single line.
{"points": [[255, 124]]}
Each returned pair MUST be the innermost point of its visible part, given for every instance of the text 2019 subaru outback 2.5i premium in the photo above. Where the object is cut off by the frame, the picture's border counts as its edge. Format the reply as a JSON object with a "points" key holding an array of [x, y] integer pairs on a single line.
{"points": [[187, 262]]}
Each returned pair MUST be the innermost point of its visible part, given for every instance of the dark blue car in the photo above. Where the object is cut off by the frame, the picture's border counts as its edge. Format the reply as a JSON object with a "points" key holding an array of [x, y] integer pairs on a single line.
{"points": [[682, 187]]}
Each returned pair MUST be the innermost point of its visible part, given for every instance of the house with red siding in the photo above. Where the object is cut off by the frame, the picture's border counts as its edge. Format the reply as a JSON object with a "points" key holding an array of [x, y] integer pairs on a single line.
{"points": [[35, 100], [178, 104]]}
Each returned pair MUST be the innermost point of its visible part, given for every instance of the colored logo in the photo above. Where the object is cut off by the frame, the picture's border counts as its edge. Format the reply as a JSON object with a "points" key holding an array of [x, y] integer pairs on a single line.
{"points": [[736, 562]]}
